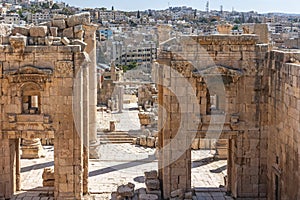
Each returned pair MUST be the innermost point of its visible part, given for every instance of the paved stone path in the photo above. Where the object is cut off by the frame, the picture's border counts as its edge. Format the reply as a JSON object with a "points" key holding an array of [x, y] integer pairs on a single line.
{"points": [[123, 163]]}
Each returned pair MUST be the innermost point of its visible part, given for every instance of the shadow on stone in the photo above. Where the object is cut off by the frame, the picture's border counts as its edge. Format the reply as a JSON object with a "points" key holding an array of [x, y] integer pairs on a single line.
{"points": [[204, 161], [37, 166], [139, 179], [218, 170]]}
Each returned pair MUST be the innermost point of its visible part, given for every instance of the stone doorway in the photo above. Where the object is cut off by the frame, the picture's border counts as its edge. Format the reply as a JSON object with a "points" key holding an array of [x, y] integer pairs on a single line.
{"points": [[36, 174]]}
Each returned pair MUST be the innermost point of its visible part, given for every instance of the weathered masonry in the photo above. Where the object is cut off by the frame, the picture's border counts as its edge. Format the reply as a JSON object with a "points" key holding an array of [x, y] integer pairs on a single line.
{"points": [[46, 77], [231, 87]]}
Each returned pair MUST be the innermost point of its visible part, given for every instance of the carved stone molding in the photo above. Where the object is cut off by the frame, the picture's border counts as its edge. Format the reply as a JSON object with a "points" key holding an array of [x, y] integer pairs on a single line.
{"points": [[28, 74]]}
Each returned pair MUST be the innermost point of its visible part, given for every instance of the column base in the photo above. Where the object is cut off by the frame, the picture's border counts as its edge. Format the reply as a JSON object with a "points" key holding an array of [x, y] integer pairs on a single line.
{"points": [[94, 150]]}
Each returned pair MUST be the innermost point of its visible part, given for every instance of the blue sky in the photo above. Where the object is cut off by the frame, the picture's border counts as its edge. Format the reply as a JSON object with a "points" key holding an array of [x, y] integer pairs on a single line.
{"points": [[262, 6]]}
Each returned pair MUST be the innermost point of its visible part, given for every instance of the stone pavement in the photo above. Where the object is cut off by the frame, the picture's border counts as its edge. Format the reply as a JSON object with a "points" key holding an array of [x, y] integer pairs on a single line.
{"points": [[123, 163], [125, 121]]}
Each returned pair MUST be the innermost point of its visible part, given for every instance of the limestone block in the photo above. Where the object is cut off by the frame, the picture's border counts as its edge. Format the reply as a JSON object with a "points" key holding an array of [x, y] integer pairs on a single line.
{"points": [[151, 142], [156, 192], [81, 43], [126, 190], [143, 140], [68, 32], [65, 41], [151, 174], [38, 31], [177, 193], [148, 197], [53, 31], [48, 183], [152, 184], [82, 18], [20, 30], [134, 141], [59, 23], [188, 195], [48, 173], [18, 43]]}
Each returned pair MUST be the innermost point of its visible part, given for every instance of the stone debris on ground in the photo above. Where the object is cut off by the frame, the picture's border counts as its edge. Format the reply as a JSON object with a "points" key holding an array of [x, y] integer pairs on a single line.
{"points": [[48, 177]]}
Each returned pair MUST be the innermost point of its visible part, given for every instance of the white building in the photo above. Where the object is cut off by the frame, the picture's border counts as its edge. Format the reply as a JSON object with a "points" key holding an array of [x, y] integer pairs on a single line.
{"points": [[12, 19]]}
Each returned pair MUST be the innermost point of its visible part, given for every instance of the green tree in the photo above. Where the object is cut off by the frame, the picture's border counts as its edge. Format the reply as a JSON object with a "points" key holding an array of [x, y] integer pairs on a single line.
{"points": [[237, 21], [138, 15], [130, 66], [55, 6]]}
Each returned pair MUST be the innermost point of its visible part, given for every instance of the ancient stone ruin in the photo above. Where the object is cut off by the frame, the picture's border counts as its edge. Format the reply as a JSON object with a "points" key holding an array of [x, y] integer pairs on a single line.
{"points": [[234, 90], [48, 88]]}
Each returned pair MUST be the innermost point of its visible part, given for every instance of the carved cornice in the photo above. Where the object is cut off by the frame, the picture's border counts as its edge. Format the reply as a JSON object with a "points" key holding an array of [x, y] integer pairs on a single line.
{"points": [[28, 74]]}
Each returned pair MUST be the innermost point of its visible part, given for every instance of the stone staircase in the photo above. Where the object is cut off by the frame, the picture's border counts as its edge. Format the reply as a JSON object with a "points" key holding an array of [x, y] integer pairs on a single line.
{"points": [[115, 137]]}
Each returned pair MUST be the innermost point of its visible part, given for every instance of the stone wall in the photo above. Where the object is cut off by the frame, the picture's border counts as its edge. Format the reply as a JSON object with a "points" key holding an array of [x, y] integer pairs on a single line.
{"points": [[48, 64], [283, 70], [221, 71]]}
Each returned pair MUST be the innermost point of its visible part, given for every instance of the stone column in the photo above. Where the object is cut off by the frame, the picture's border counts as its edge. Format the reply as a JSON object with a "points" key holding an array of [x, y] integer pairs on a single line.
{"points": [[86, 119], [121, 93], [32, 148], [90, 39]]}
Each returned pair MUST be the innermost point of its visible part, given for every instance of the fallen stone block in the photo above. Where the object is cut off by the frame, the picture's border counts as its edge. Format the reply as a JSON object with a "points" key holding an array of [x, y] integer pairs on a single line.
{"points": [[177, 193], [53, 31], [68, 32], [156, 192], [59, 23], [143, 140], [78, 19], [151, 174], [20, 30], [48, 174], [126, 190], [152, 184], [151, 142], [148, 197], [188, 195], [65, 41], [38, 31]]}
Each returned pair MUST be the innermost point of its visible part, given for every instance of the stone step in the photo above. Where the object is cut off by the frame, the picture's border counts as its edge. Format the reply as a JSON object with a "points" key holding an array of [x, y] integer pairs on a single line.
{"points": [[114, 137], [116, 141]]}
